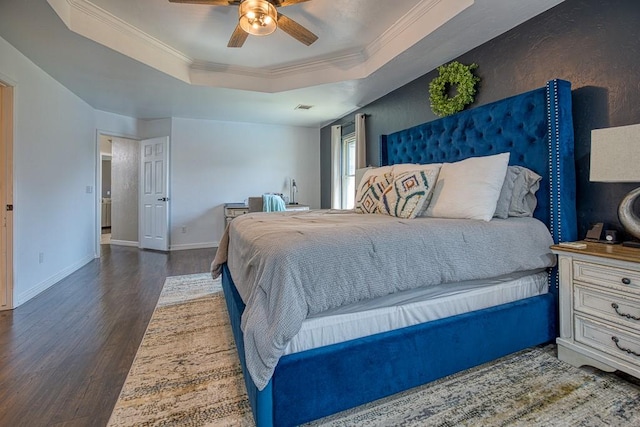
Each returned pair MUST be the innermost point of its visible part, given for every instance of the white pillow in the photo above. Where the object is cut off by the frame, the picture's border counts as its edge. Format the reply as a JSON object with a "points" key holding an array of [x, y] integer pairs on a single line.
{"points": [[432, 168], [470, 188]]}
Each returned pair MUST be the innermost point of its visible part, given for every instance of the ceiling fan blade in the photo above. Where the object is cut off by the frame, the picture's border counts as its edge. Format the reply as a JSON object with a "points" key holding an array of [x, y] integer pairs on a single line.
{"points": [[238, 37], [283, 3], [209, 2], [296, 30]]}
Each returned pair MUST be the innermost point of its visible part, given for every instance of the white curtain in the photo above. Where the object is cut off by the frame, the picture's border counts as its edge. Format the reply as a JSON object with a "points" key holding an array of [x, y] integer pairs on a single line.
{"points": [[336, 173], [361, 142]]}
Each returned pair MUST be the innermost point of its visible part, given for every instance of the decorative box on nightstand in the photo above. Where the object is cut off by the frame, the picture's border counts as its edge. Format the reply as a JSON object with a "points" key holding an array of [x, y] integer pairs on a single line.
{"points": [[600, 307]]}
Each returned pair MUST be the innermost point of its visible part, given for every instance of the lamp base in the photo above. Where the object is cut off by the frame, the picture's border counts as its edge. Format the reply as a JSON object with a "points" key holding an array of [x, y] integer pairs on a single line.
{"points": [[631, 244], [629, 220]]}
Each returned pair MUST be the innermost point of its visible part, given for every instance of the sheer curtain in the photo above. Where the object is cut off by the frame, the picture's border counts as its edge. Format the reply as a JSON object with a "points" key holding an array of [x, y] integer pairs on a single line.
{"points": [[336, 183], [338, 196], [361, 142]]}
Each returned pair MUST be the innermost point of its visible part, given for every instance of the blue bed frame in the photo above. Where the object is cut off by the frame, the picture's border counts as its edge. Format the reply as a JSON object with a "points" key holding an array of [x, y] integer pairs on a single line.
{"points": [[536, 128]]}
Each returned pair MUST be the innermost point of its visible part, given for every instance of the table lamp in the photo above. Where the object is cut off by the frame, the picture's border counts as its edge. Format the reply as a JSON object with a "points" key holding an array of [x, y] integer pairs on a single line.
{"points": [[615, 157], [294, 190]]}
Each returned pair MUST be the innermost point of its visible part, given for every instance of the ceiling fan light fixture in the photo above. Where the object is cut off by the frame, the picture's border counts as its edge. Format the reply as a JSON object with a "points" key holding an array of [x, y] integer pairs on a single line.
{"points": [[258, 17]]}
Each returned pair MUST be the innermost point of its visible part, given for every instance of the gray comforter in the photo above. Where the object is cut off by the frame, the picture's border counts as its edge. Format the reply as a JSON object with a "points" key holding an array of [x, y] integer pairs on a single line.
{"points": [[289, 265]]}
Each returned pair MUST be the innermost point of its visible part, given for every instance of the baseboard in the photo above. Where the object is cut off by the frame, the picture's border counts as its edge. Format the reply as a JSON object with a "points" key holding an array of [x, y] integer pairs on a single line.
{"points": [[187, 246], [42, 286], [124, 243], [182, 247]]}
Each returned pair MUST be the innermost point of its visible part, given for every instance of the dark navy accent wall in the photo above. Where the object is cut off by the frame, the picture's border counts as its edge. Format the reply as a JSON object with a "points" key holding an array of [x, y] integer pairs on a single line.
{"points": [[594, 44]]}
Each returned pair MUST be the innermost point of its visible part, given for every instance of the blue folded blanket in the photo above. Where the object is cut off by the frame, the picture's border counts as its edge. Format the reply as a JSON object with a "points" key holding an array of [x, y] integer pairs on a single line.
{"points": [[273, 203]]}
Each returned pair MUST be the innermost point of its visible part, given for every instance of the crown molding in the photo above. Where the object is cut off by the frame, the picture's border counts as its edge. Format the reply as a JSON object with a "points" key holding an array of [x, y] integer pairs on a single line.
{"points": [[339, 67], [316, 64], [89, 20], [93, 22], [422, 20]]}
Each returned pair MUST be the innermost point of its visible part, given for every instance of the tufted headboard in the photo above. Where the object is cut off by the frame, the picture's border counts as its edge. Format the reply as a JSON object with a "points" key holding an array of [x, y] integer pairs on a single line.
{"points": [[536, 127]]}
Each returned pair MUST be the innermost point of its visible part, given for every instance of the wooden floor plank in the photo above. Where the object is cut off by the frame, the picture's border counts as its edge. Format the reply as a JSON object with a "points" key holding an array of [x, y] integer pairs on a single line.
{"points": [[64, 355]]}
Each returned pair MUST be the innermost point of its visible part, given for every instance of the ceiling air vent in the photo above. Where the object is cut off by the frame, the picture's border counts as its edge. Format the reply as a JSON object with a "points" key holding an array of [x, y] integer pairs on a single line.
{"points": [[303, 107]]}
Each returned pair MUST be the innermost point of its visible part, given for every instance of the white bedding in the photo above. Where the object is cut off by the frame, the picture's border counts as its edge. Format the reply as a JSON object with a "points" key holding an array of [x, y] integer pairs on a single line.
{"points": [[413, 307]]}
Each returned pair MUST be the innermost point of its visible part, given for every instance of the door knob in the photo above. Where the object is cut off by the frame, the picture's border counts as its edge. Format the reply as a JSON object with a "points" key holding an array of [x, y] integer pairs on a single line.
{"points": [[164, 199]]}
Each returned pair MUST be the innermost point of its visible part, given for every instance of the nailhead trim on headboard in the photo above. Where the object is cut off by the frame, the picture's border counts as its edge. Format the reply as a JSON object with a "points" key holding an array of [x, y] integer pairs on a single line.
{"points": [[554, 178]]}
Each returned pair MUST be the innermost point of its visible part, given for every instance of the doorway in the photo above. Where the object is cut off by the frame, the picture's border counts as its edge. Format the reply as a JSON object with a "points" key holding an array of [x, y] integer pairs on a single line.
{"points": [[117, 195], [6, 196], [105, 190]]}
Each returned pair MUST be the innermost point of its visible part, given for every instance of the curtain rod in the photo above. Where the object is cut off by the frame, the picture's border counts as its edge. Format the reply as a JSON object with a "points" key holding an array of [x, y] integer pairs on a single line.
{"points": [[353, 121]]}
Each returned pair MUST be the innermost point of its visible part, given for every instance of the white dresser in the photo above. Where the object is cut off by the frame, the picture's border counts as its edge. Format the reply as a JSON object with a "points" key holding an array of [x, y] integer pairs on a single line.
{"points": [[600, 307]]}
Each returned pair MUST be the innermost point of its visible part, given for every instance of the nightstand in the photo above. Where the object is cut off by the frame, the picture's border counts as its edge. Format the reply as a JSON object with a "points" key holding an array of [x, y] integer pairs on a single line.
{"points": [[600, 307], [297, 207], [232, 210]]}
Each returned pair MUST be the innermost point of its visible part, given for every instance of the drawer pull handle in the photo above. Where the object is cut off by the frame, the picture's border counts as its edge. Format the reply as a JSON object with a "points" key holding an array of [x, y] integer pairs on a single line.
{"points": [[626, 280], [616, 340], [627, 315]]}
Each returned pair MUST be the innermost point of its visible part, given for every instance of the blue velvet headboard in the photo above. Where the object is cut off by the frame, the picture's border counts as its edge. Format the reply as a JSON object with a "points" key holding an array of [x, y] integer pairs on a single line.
{"points": [[536, 127]]}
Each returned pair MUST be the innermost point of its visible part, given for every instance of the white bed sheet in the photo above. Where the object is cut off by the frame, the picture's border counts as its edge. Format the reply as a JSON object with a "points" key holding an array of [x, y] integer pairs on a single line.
{"points": [[413, 307]]}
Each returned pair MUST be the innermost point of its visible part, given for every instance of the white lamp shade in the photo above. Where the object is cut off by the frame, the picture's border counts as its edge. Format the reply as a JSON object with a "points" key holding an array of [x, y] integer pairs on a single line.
{"points": [[615, 154]]}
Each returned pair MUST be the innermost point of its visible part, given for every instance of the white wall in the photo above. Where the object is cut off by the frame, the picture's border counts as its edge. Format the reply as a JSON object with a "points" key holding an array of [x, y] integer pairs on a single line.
{"points": [[214, 162], [117, 125], [56, 158], [155, 128], [54, 163]]}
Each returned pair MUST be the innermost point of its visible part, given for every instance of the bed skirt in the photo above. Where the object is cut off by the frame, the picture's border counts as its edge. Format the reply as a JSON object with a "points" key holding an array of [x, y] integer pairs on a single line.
{"points": [[322, 381]]}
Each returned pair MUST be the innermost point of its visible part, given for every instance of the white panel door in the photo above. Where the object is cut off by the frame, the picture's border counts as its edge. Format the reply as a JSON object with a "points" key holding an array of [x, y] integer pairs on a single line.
{"points": [[6, 197], [154, 194]]}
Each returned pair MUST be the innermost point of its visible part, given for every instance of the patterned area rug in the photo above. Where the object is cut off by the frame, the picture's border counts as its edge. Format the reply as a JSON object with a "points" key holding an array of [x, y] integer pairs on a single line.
{"points": [[187, 373]]}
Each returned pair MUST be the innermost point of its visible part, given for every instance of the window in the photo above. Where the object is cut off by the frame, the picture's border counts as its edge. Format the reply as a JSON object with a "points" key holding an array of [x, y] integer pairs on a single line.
{"points": [[348, 171], [346, 154]]}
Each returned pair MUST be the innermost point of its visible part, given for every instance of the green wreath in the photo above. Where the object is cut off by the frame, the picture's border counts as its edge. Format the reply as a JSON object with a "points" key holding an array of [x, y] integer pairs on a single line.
{"points": [[452, 74]]}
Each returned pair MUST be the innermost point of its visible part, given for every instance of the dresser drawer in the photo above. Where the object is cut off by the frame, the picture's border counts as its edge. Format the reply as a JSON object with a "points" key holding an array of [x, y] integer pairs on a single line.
{"points": [[601, 336], [234, 212], [618, 308], [607, 276]]}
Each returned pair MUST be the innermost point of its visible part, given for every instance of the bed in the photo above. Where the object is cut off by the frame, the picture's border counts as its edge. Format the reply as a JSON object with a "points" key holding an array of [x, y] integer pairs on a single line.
{"points": [[536, 129]]}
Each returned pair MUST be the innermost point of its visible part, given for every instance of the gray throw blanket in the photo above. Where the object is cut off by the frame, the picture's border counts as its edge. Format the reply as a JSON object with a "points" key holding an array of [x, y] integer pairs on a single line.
{"points": [[288, 265]]}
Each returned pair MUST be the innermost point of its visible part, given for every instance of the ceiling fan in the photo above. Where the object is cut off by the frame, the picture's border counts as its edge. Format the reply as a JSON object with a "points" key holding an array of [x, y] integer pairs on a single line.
{"points": [[260, 18]]}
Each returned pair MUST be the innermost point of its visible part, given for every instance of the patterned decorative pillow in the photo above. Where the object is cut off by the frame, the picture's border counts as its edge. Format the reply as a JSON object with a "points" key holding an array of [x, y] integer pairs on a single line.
{"points": [[369, 192], [408, 195]]}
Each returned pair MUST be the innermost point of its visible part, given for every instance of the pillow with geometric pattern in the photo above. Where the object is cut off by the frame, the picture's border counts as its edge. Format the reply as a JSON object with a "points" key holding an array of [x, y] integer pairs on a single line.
{"points": [[369, 192], [407, 196]]}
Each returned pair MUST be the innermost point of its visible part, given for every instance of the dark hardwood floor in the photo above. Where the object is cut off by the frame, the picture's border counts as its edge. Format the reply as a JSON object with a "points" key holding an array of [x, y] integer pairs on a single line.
{"points": [[65, 354]]}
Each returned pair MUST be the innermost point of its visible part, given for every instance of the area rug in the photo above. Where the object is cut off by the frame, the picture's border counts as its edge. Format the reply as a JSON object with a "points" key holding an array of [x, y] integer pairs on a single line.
{"points": [[187, 373]]}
